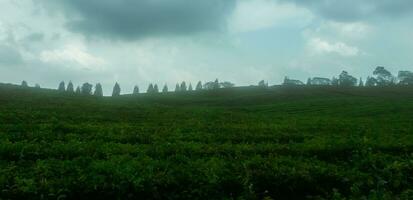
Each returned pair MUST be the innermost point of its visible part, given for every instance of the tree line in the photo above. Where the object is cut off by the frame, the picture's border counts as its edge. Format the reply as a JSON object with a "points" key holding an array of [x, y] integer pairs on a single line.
{"points": [[380, 77]]}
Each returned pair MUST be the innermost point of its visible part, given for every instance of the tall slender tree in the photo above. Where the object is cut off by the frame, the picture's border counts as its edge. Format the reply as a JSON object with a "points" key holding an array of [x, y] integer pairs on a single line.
{"points": [[177, 88], [199, 86], [216, 84], [136, 90], [165, 89], [62, 87], [155, 88], [361, 83], [150, 89], [78, 91], [116, 90], [98, 90], [24, 84], [190, 87], [309, 81], [70, 88], [183, 86]]}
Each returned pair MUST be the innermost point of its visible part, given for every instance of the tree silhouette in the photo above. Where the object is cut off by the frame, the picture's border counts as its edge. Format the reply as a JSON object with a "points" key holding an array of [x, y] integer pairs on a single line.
{"points": [[155, 88], [86, 89], [165, 89], [383, 77], [78, 91], [199, 86], [226, 84], [37, 86], [370, 82], [183, 87], [216, 84], [177, 88], [361, 83], [116, 90], [262, 84], [70, 87], [62, 87], [190, 87], [334, 81], [24, 84], [98, 90], [150, 89], [345, 79], [309, 81], [405, 78], [136, 90]]}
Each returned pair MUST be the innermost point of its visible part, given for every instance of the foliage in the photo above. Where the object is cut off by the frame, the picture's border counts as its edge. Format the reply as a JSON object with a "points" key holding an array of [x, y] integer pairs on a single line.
{"points": [[62, 87], [98, 90], [237, 143], [116, 90], [86, 89]]}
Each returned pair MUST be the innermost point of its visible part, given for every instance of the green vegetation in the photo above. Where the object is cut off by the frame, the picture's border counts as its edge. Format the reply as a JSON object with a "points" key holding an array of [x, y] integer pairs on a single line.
{"points": [[301, 142]]}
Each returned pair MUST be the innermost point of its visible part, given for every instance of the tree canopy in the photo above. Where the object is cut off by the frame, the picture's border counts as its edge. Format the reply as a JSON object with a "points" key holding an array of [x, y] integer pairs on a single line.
{"points": [[116, 90]]}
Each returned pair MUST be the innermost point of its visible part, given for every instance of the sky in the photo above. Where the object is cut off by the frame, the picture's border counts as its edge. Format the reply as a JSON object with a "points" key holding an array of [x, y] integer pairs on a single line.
{"points": [[169, 41]]}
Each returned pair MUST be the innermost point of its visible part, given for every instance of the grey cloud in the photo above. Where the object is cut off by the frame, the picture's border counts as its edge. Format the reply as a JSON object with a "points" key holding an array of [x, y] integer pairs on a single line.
{"points": [[356, 10], [35, 37], [132, 19], [9, 56]]}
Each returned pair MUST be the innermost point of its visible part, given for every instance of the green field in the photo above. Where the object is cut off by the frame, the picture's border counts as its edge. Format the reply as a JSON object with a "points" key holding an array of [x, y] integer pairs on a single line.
{"points": [[239, 143]]}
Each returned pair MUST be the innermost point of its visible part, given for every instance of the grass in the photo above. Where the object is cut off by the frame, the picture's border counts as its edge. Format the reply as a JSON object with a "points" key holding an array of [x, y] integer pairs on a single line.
{"points": [[239, 143]]}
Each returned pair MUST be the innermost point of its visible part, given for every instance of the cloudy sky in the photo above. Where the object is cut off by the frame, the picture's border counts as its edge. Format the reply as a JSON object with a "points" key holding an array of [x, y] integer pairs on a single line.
{"points": [[166, 41]]}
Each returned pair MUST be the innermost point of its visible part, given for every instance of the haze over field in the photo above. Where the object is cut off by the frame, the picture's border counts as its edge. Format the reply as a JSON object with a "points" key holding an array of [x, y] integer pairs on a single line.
{"points": [[164, 41]]}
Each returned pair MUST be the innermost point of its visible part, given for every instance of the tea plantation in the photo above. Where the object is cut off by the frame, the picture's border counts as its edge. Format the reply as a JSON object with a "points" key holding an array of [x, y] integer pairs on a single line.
{"points": [[240, 143]]}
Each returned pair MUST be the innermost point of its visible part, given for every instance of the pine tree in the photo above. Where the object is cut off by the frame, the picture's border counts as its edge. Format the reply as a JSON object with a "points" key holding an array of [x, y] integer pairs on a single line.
{"points": [[98, 90], [190, 87], [177, 88], [361, 83], [136, 90], [150, 89], [183, 87], [155, 88], [116, 90], [199, 86], [24, 84], [165, 89], [70, 87], [216, 84], [309, 81], [78, 90], [62, 87]]}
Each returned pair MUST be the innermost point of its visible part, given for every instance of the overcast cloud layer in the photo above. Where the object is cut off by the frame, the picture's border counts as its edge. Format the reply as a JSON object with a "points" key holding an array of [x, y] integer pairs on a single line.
{"points": [[168, 41]]}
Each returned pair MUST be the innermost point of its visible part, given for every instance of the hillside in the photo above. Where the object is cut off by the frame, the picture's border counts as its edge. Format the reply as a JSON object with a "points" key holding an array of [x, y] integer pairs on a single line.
{"points": [[238, 143]]}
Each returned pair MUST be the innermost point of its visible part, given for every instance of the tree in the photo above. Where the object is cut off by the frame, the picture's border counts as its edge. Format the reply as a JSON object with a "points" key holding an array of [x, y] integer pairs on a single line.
{"points": [[150, 89], [136, 90], [216, 84], [320, 81], [405, 78], [190, 87], [183, 87], [288, 81], [199, 86], [383, 77], [62, 87], [227, 84], [361, 83], [37, 86], [165, 89], [262, 84], [24, 84], [86, 89], [78, 91], [155, 89], [98, 90], [70, 87], [370, 82], [116, 90], [345, 79], [309, 81], [177, 88], [334, 81]]}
